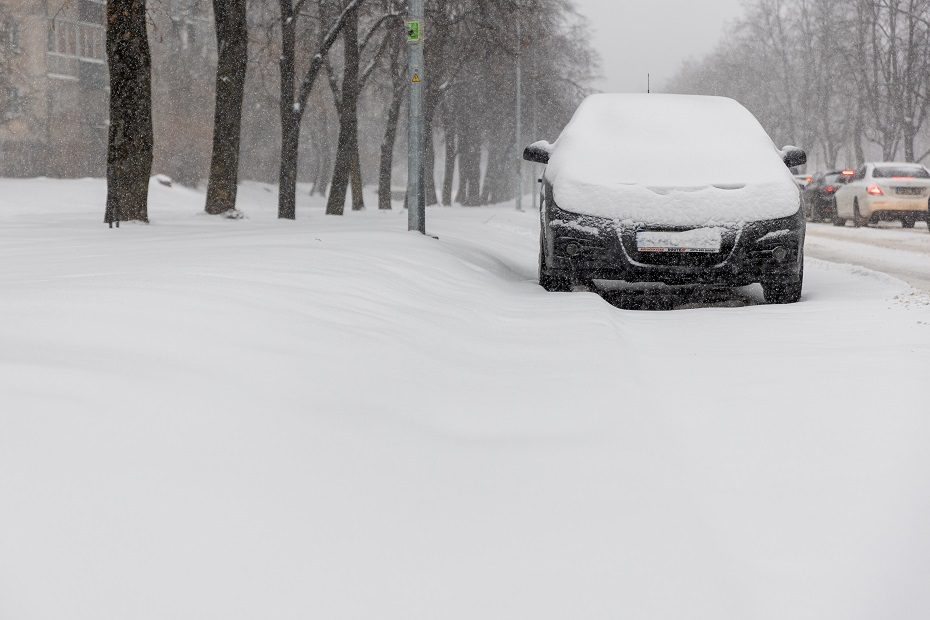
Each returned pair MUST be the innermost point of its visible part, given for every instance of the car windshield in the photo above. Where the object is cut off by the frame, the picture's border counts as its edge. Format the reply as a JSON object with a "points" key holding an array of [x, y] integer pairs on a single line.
{"points": [[888, 172]]}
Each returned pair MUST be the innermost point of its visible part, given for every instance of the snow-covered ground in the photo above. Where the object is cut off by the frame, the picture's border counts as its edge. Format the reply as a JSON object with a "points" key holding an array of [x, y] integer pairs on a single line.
{"points": [[886, 247], [334, 418]]}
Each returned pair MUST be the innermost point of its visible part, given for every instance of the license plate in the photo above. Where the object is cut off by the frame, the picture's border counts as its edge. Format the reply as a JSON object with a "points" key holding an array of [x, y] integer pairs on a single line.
{"points": [[707, 240], [909, 191]]}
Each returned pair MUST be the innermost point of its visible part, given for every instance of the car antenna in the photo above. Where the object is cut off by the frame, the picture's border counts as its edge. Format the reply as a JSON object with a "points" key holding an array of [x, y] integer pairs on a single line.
{"points": [[648, 83]]}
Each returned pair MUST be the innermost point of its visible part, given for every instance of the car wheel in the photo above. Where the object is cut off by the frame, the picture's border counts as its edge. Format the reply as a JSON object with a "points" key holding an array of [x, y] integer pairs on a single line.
{"points": [[784, 290], [858, 220], [839, 221], [815, 213], [908, 221], [553, 284]]}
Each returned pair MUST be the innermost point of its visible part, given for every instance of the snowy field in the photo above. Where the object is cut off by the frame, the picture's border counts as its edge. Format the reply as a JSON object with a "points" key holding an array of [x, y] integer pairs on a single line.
{"points": [[334, 418]]}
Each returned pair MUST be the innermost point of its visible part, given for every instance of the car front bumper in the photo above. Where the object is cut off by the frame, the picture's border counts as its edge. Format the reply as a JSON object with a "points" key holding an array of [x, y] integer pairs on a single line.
{"points": [[582, 248]]}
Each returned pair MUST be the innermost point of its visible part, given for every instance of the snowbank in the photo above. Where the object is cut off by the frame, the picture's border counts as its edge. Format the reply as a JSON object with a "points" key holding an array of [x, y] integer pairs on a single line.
{"points": [[669, 159], [335, 418]]}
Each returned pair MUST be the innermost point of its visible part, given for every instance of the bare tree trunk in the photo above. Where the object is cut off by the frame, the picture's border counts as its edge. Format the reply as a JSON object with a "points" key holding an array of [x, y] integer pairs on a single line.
{"points": [[232, 47], [348, 119], [462, 192], [358, 199], [857, 140], [449, 170], [293, 101], [497, 180], [321, 187], [287, 180], [130, 142], [469, 193], [889, 148], [342, 171], [429, 164], [386, 166], [290, 121]]}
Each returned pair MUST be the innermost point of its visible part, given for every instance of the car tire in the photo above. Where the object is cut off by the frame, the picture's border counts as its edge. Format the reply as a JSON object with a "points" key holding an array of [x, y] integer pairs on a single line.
{"points": [[553, 284], [815, 215], [784, 290], [908, 222], [858, 220], [839, 221]]}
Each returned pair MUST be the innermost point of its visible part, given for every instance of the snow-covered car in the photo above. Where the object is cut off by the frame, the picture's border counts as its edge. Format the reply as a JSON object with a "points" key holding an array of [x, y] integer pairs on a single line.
{"points": [[675, 189], [885, 191]]}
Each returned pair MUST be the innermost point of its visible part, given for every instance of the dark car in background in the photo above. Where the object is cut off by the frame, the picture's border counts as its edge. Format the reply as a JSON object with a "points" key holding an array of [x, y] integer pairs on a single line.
{"points": [[819, 196]]}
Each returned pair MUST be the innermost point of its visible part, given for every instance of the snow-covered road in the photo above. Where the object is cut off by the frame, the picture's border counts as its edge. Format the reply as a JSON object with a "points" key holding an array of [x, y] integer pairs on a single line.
{"points": [[887, 247], [334, 418]]}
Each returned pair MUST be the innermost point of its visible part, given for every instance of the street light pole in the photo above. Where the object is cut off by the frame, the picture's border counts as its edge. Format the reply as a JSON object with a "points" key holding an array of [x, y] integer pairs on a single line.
{"points": [[519, 128], [416, 196]]}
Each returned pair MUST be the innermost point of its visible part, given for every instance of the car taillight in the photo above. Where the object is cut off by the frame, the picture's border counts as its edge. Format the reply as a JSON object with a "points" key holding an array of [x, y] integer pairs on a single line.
{"points": [[874, 190], [808, 179], [829, 189]]}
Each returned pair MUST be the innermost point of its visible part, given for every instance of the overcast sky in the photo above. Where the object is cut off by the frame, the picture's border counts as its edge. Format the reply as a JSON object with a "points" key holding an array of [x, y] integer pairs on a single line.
{"points": [[636, 37]]}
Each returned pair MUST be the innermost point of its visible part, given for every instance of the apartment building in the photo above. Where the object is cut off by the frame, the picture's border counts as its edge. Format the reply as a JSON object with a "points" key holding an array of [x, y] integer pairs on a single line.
{"points": [[54, 83], [55, 116]]}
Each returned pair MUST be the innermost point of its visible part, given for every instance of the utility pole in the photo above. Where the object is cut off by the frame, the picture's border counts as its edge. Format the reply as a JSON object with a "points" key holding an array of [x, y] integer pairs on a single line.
{"points": [[519, 130], [416, 196]]}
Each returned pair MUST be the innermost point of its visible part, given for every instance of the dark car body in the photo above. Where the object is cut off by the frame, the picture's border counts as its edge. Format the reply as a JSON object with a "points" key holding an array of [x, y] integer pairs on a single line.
{"points": [[580, 248], [671, 189], [819, 196]]}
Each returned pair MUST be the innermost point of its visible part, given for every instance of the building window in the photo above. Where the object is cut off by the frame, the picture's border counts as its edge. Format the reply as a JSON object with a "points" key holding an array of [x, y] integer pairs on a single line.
{"points": [[78, 40], [14, 104], [91, 11], [9, 35]]}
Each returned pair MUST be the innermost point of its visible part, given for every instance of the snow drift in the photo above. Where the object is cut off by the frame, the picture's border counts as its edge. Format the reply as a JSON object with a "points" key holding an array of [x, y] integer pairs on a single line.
{"points": [[669, 159], [334, 418]]}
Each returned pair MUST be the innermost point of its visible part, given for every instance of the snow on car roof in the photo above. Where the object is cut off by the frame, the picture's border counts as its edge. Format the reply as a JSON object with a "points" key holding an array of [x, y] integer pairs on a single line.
{"points": [[672, 159]]}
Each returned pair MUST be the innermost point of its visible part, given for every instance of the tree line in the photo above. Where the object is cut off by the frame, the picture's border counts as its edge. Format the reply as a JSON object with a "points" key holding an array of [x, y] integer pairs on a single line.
{"points": [[846, 79], [317, 87]]}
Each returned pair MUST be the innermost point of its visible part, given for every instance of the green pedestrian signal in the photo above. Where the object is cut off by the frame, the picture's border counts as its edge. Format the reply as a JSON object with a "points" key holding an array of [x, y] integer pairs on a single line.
{"points": [[414, 31]]}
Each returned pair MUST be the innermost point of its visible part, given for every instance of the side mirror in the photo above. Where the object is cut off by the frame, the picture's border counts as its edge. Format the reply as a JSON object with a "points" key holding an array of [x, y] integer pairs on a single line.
{"points": [[793, 156], [538, 152]]}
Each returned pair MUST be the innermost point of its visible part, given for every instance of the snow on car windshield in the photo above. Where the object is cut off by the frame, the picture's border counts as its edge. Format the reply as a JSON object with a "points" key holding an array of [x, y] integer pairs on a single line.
{"points": [[669, 159], [888, 172]]}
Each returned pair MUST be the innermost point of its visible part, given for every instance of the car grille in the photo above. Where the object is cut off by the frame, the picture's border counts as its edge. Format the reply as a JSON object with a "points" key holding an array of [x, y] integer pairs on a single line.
{"points": [[679, 259]]}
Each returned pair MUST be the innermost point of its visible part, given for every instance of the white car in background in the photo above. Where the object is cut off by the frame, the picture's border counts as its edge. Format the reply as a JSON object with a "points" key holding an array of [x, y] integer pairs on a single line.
{"points": [[885, 191]]}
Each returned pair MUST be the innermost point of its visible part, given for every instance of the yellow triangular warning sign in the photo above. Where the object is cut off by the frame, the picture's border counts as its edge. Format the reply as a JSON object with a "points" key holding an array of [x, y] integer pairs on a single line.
{"points": [[416, 78]]}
